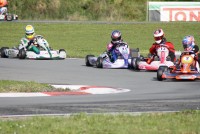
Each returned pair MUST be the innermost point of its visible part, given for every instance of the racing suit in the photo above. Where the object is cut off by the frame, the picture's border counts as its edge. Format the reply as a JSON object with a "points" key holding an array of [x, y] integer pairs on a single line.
{"points": [[112, 51], [169, 45], [3, 6], [30, 45]]}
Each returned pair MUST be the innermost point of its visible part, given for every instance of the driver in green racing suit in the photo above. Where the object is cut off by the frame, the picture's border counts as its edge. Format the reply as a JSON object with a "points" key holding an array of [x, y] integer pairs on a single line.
{"points": [[28, 42]]}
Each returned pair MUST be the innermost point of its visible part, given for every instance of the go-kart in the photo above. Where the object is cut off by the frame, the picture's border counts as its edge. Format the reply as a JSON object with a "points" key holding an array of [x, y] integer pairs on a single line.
{"points": [[104, 61], [8, 17], [45, 51], [187, 69], [162, 58]]}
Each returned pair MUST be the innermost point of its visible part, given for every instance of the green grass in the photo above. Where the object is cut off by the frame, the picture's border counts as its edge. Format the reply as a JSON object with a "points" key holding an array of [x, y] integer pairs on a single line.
{"points": [[186, 122], [82, 39], [20, 86]]}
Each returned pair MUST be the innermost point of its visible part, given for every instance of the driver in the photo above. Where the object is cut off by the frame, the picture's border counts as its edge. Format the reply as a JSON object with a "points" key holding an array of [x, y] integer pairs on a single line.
{"points": [[188, 43], [159, 40], [3, 6], [28, 42], [116, 39]]}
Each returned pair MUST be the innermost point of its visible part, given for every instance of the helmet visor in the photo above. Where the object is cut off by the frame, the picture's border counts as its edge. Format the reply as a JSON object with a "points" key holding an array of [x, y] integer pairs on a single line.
{"points": [[116, 39], [29, 35], [158, 38]]}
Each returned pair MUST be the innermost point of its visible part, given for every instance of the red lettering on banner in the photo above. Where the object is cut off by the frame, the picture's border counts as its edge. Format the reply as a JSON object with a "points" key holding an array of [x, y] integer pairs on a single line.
{"points": [[183, 13], [193, 16], [178, 14]]}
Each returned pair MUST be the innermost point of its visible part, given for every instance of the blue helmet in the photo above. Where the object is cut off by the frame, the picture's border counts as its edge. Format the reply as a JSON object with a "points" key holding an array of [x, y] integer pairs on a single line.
{"points": [[188, 42]]}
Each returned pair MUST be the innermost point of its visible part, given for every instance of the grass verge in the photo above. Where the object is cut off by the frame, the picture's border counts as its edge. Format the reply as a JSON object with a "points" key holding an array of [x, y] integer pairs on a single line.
{"points": [[180, 122], [30, 86]]}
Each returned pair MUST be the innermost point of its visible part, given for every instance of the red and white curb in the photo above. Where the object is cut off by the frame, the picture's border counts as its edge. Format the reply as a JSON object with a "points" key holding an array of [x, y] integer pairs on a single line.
{"points": [[75, 90]]}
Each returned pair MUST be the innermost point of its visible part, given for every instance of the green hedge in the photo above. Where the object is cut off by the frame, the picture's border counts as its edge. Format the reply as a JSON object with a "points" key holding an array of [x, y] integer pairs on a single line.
{"points": [[75, 10]]}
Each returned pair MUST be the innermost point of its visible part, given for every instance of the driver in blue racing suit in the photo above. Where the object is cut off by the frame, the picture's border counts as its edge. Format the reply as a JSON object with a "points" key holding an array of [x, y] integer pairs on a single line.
{"points": [[28, 42], [116, 39]]}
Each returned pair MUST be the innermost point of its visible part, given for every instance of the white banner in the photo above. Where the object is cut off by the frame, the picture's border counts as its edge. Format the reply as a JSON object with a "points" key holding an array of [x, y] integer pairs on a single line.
{"points": [[174, 11]]}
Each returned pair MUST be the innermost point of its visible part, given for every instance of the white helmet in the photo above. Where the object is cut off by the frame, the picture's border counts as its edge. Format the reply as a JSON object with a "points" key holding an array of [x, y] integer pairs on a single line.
{"points": [[158, 36]]}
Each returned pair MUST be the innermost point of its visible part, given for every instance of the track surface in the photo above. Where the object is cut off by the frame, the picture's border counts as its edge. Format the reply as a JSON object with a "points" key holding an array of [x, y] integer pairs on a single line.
{"points": [[147, 94]]}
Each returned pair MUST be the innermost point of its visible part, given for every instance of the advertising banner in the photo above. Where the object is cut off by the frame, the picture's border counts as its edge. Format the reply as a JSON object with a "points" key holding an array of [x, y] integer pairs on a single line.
{"points": [[174, 11]]}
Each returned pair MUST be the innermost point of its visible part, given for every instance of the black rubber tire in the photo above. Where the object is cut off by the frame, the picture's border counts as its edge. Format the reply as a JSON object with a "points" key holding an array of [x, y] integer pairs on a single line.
{"points": [[9, 17], [134, 63], [160, 72], [59, 50], [22, 54], [3, 55], [99, 62], [87, 63]]}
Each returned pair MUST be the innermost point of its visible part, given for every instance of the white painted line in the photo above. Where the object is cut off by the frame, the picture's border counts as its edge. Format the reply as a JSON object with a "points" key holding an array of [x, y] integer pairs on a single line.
{"points": [[93, 89], [110, 113], [76, 90], [71, 87], [105, 90]]}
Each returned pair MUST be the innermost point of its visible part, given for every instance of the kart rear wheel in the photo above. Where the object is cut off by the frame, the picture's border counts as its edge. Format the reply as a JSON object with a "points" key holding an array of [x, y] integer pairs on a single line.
{"points": [[62, 53], [135, 62], [3, 54], [160, 72], [9, 17], [99, 62], [59, 50], [87, 62], [22, 54]]}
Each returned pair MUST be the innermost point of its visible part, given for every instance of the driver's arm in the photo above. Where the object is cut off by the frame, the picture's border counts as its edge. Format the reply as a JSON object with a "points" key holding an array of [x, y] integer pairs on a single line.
{"points": [[196, 49], [152, 50]]}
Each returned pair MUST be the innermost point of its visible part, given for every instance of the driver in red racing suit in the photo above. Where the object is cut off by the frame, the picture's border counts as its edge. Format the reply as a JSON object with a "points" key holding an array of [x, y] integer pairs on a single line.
{"points": [[160, 39]]}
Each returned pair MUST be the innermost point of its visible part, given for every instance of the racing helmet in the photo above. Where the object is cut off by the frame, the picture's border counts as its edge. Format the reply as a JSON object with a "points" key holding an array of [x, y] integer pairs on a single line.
{"points": [[158, 36], [116, 36], [30, 32], [188, 42]]}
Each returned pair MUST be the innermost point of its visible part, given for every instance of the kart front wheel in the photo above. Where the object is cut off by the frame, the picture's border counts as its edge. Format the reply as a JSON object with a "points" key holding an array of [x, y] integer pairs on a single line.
{"points": [[9, 17], [87, 62], [99, 62], [160, 72], [62, 53], [22, 54]]}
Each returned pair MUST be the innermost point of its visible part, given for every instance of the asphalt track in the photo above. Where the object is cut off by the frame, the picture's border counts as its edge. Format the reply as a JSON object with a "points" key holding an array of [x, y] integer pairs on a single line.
{"points": [[146, 95]]}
